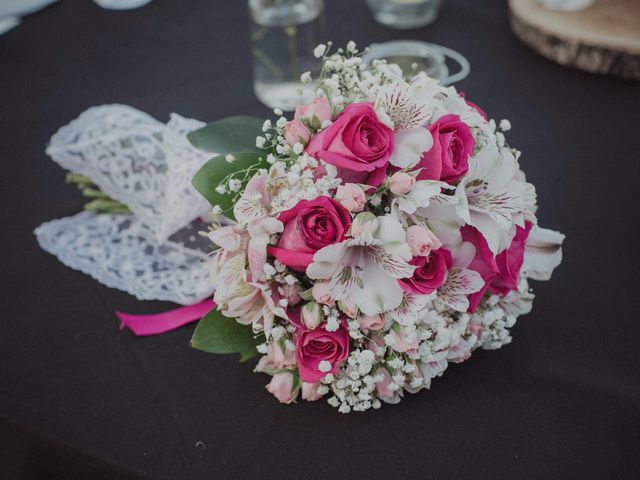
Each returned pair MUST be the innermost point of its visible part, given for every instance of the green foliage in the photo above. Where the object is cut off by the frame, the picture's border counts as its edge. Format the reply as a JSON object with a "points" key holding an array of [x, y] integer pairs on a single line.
{"points": [[232, 134], [216, 333]]}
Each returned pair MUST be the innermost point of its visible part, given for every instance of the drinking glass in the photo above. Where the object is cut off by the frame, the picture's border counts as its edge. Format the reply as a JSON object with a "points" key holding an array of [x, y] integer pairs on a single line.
{"points": [[283, 36], [121, 4], [405, 14]]}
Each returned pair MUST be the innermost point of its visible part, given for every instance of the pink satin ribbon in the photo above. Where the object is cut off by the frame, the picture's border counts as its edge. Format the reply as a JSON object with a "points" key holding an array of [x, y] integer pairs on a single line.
{"points": [[157, 323]]}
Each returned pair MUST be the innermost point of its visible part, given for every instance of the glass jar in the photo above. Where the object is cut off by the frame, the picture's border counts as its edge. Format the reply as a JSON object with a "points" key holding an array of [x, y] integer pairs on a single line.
{"points": [[405, 14], [283, 36]]}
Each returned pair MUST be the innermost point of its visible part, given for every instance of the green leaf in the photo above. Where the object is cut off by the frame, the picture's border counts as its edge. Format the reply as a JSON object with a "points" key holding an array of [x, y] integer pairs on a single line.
{"points": [[217, 169], [216, 333], [232, 134]]}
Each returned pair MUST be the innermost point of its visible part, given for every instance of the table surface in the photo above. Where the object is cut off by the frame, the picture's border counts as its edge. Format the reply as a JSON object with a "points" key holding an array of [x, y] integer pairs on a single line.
{"points": [[79, 399]]}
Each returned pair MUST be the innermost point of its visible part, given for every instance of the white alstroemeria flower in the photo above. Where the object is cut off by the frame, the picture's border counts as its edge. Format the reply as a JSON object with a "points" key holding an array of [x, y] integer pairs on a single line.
{"points": [[255, 201], [445, 215], [453, 103], [409, 146], [496, 196], [461, 281], [419, 196], [404, 106], [270, 307], [260, 231], [238, 296], [408, 312], [365, 268], [252, 210], [518, 302], [542, 253]]}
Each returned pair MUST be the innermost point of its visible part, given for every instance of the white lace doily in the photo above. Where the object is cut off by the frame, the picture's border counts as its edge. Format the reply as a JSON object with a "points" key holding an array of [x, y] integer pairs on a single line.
{"points": [[148, 166], [119, 252]]}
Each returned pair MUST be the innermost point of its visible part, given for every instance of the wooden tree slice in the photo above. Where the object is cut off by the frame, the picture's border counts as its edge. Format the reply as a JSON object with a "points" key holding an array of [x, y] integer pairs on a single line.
{"points": [[603, 38]]}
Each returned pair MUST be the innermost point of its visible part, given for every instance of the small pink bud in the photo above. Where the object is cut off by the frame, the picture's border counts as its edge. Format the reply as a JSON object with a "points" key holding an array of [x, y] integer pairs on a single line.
{"points": [[401, 183], [310, 391], [281, 386], [371, 322], [365, 222], [348, 307], [320, 293], [312, 315], [421, 241], [296, 132], [315, 113], [351, 196]]}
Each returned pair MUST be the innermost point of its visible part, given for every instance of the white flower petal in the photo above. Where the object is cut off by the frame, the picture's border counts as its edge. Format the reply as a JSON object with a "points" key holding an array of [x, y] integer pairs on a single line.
{"points": [[409, 145], [542, 253]]}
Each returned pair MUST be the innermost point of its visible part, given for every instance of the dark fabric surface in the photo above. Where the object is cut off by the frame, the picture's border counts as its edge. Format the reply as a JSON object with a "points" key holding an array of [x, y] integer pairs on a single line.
{"points": [[562, 401]]}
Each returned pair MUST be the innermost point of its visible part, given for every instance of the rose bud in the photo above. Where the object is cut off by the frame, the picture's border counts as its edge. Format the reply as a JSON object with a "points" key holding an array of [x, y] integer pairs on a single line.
{"points": [[310, 391], [351, 197], [371, 322], [421, 241], [320, 293], [382, 387], [312, 315], [281, 386], [365, 222], [292, 293], [401, 183], [296, 132], [348, 307], [315, 113]]}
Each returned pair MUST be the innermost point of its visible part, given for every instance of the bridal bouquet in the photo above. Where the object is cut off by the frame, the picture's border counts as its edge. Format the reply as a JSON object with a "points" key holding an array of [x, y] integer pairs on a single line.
{"points": [[383, 232]]}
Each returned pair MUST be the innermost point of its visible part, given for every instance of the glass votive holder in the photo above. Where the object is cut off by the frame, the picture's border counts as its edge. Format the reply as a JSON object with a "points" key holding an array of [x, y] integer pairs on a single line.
{"points": [[283, 36], [405, 14], [121, 4]]}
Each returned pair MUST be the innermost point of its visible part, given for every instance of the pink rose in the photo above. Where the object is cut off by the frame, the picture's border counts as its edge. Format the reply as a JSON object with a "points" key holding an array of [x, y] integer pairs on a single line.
{"points": [[315, 113], [351, 197], [421, 241], [308, 227], [310, 391], [296, 132], [357, 144], [430, 274], [371, 322], [316, 346], [453, 143], [281, 386], [483, 262], [509, 262], [401, 183]]}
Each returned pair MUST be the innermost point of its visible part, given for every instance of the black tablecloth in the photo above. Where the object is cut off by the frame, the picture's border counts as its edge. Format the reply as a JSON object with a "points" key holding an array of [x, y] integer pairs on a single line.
{"points": [[79, 399]]}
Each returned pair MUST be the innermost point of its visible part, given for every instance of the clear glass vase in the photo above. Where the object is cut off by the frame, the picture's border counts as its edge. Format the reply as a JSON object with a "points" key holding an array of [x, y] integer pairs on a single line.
{"points": [[121, 4], [283, 36], [405, 14]]}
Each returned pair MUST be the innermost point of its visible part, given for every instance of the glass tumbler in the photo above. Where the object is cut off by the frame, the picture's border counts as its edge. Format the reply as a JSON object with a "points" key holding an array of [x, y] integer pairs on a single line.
{"points": [[283, 36], [405, 14]]}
